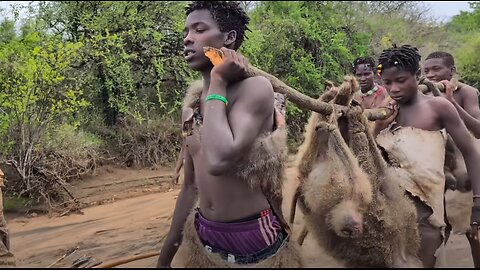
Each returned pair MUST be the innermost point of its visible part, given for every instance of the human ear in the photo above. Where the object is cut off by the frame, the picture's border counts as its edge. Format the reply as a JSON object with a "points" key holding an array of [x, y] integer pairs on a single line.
{"points": [[453, 69], [230, 38]]}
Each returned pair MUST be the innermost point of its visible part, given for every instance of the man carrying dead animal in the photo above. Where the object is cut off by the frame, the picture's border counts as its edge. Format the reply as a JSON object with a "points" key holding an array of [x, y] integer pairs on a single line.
{"points": [[440, 67], [413, 140], [6, 257], [234, 155]]}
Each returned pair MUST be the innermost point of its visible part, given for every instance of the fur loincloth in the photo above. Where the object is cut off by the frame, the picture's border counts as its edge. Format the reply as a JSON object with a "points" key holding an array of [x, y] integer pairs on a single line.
{"points": [[286, 257], [417, 159]]}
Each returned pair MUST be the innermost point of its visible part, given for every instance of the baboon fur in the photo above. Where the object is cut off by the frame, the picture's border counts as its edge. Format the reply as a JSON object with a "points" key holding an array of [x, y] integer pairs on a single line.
{"points": [[263, 167], [337, 181]]}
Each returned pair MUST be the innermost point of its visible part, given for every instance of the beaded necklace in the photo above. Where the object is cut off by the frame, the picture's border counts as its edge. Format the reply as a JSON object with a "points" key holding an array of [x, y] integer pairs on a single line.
{"points": [[369, 92]]}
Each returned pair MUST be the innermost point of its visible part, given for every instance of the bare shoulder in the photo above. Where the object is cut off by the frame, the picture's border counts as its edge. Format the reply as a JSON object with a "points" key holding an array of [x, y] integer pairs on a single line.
{"points": [[258, 83], [441, 105], [468, 91], [258, 88]]}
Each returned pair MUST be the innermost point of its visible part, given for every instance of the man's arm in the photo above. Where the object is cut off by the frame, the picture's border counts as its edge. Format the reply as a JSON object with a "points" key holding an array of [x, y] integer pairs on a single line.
{"points": [[470, 113], [464, 141], [185, 202], [226, 140]]}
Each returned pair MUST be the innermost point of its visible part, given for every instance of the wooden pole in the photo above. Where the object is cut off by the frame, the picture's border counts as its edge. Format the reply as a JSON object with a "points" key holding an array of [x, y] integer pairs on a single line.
{"points": [[128, 259]]}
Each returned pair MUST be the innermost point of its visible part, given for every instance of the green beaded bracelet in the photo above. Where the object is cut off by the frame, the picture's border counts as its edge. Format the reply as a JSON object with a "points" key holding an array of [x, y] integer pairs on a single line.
{"points": [[217, 97]]}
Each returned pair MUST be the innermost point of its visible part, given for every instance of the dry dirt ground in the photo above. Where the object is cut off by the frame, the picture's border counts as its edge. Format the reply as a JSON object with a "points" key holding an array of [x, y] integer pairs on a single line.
{"points": [[129, 216]]}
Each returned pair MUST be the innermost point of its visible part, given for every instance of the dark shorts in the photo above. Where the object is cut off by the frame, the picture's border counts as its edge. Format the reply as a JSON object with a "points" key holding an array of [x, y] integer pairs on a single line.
{"points": [[244, 241]]}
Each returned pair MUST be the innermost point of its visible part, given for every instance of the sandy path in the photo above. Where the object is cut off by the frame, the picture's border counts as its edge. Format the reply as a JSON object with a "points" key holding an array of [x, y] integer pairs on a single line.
{"points": [[137, 225]]}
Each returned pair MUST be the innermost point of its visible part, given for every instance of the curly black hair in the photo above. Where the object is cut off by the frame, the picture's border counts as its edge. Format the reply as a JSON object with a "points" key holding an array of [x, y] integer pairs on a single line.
{"points": [[368, 61], [404, 58], [229, 15], [446, 57]]}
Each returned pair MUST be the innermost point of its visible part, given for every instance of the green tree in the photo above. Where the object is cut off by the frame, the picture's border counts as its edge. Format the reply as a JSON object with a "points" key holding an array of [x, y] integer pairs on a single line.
{"points": [[464, 35], [38, 90], [303, 44], [133, 61]]}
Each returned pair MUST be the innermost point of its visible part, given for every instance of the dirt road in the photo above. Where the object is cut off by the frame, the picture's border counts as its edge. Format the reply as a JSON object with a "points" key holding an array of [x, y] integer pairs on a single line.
{"points": [[137, 225]]}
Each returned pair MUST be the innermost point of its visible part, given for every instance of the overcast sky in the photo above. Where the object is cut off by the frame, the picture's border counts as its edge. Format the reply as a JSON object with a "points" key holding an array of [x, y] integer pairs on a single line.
{"points": [[443, 10]]}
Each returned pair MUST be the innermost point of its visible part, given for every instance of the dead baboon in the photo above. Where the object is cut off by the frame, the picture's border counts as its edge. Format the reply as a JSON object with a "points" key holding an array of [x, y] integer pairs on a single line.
{"points": [[350, 208]]}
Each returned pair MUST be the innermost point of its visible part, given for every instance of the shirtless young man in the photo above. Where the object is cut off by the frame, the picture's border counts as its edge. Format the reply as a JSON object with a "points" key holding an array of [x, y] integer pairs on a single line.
{"points": [[232, 120], [440, 67], [280, 112], [371, 94], [413, 141]]}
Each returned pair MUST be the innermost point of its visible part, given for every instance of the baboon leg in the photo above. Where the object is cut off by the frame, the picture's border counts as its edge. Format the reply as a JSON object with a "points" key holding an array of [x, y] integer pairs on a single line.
{"points": [[303, 234], [293, 206], [337, 145]]}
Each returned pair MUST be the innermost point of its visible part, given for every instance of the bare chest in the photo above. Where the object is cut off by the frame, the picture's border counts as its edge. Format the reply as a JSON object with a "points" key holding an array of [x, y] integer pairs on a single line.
{"points": [[420, 117]]}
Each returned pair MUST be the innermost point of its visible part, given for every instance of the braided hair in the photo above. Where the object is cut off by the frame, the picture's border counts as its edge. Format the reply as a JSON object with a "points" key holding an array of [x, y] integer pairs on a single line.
{"points": [[229, 15], [367, 61], [404, 58]]}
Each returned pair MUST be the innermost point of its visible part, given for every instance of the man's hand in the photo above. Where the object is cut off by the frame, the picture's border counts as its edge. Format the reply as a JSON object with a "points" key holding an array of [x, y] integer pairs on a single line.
{"points": [[232, 69], [383, 124], [449, 88]]}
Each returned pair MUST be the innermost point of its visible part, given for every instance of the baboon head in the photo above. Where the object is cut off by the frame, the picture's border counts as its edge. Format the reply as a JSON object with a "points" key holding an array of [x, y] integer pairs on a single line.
{"points": [[346, 220]]}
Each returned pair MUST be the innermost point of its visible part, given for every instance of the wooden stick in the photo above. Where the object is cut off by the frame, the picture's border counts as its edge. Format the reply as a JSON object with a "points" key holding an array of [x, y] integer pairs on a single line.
{"points": [[306, 102], [68, 253], [128, 259]]}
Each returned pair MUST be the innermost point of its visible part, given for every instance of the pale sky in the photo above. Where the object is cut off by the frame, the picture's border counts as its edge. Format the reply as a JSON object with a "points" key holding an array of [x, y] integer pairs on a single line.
{"points": [[443, 10]]}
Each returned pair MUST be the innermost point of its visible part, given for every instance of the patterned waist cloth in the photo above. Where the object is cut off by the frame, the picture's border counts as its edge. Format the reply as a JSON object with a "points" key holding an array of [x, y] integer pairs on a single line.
{"points": [[248, 239]]}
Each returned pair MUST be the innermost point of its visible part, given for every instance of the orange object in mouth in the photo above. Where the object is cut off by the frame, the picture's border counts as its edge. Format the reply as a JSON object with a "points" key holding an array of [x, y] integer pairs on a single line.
{"points": [[215, 55]]}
